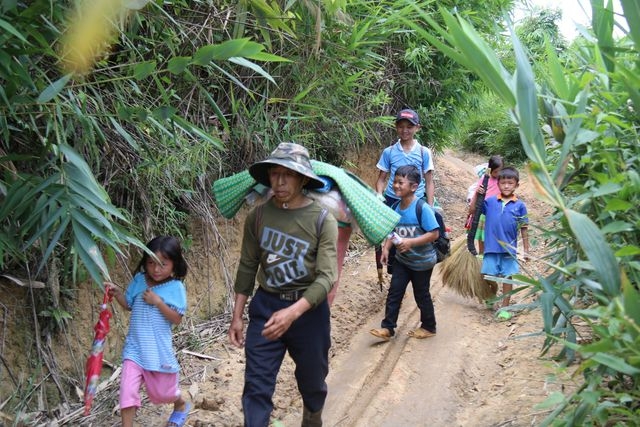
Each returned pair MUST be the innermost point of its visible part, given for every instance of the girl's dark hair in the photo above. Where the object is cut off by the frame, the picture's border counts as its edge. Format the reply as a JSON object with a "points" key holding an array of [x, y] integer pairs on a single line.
{"points": [[509, 172], [495, 162], [170, 247], [410, 172]]}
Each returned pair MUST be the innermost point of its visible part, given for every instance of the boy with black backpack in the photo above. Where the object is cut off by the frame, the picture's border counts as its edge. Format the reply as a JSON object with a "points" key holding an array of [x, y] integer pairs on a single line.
{"points": [[415, 256]]}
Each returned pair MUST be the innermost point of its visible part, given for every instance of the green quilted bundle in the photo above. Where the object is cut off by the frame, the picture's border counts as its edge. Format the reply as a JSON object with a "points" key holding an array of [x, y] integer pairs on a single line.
{"points": [[375, 219]]}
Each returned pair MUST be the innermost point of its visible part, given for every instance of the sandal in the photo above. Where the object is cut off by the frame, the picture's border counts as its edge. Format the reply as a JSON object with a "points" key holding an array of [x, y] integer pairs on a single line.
{"points": [[383, 333], [179, 418], [421, 333]]}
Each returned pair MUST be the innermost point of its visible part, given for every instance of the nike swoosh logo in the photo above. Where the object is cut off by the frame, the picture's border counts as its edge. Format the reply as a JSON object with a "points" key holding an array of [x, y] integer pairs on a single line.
{"points": [[272, 258]]}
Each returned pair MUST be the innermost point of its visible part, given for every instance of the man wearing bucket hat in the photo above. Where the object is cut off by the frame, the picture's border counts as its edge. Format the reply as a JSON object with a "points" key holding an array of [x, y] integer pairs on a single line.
{"points": [[289, 249]]}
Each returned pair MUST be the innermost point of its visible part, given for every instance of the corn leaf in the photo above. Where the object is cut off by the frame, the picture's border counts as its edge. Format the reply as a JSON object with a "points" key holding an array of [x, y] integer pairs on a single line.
{"points": [[595, 247], [631, 9]]}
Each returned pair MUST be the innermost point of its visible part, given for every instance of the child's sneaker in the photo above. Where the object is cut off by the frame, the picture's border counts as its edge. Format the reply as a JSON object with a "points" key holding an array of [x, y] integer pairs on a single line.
{"points": [[382, 333], [503, 315]]}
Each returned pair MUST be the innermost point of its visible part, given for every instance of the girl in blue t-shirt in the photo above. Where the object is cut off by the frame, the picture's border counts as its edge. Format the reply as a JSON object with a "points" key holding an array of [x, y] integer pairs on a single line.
{"points": [[157, 300], [415, 257]]}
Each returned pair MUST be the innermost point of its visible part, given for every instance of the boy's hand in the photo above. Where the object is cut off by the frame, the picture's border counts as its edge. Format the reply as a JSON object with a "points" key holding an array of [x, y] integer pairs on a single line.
{"points": [[384, 256], [404, 245]]}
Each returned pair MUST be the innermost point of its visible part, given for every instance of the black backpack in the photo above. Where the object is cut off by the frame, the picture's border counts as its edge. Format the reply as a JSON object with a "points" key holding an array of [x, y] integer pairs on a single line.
{"points": [[442, 245]]}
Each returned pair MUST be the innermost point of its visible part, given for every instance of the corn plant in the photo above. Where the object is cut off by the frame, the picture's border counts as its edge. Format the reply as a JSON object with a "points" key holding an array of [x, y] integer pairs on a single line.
{"points": [[588, 175]]}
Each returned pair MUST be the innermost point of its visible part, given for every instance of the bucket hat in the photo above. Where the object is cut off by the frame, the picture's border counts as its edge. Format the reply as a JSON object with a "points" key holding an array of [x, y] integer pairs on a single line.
{"points": [[291, 156]]}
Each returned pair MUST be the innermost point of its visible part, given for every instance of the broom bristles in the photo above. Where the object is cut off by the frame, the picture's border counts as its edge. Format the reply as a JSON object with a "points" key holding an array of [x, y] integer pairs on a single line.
{"points": [[461, 272]]}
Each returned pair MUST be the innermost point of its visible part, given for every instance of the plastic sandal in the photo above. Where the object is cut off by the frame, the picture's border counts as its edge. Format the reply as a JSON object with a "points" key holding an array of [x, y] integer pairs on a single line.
{"points": [[179, 418]]}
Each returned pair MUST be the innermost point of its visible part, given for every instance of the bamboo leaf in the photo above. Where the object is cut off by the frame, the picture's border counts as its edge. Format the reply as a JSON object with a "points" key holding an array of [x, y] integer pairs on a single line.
{"points": [[267, 57], [629, 250], [12, 30], [481, 58], [82, 167], [53, 89], [255, 67], [191, 128], [178, 64], [444, 48], [617, 227], [53, 242], [631, 81], [216, 52], [631, 301], [616, 363], [54, 216], [96, 229], [144, 69], [89, 190], [89, 253], [124, 134]]}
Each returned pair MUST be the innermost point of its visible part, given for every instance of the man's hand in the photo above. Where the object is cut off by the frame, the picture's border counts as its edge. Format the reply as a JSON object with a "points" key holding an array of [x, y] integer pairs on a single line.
{"points": [[281, 320], [236, 332], [279, 323]]}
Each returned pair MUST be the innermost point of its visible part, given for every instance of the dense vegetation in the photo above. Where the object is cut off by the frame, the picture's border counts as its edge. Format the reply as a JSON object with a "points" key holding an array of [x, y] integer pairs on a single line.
{"points": [[94, 159], [114, 128], [587, 169]]}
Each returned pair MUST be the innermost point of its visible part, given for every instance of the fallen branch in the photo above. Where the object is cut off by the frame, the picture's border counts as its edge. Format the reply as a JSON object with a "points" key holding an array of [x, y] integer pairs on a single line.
{"points": [[200, 355]]}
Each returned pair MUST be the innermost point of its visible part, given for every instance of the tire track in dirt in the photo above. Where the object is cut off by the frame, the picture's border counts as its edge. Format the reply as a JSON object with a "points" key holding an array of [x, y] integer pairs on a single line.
{"points": [[367, 372]]}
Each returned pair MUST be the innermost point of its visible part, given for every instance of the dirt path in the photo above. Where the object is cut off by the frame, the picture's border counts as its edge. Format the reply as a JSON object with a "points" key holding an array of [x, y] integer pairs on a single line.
{"points": [[476, 372]]}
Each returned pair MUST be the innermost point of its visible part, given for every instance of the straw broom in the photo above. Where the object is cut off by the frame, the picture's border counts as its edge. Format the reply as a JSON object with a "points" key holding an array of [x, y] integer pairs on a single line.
{"points": [[461, 270]]}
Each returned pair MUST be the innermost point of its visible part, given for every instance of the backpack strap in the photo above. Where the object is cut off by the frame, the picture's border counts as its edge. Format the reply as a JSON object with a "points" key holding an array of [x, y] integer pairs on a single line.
{"points": [[258, 220], [418, 211], [323, 214]]}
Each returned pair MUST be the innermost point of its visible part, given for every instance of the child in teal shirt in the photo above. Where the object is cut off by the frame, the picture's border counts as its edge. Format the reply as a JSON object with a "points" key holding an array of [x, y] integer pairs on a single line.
{"points": [[415, 257]]}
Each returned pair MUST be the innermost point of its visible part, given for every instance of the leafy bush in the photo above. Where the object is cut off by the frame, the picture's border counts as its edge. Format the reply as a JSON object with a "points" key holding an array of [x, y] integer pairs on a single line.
{"points": [[590, 179], [488, 129]]}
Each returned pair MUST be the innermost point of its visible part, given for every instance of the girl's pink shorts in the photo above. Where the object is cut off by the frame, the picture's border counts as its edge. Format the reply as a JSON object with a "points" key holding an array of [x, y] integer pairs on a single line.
{"points": [[161, 387]]}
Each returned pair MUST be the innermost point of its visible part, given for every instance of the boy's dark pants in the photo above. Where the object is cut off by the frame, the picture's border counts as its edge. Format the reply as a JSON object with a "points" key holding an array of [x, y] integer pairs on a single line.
{"points": [[307, 341], [420, 280]]}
